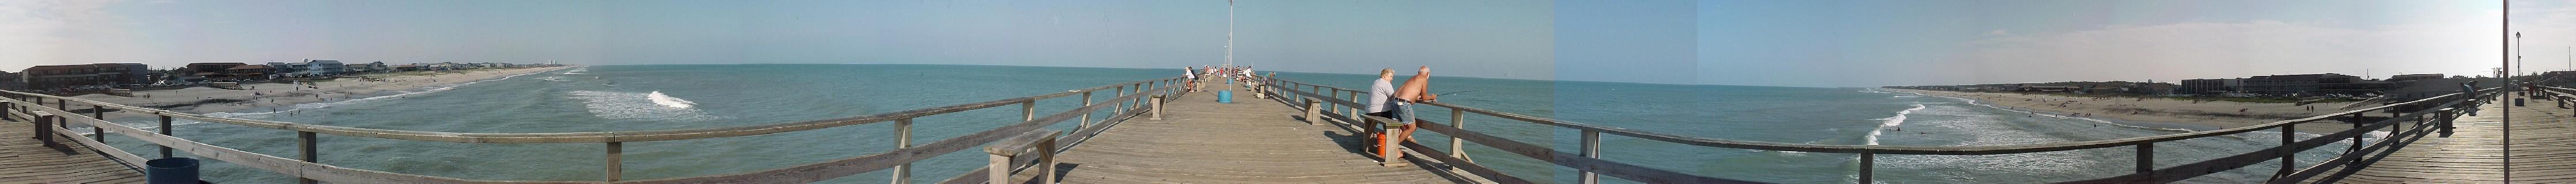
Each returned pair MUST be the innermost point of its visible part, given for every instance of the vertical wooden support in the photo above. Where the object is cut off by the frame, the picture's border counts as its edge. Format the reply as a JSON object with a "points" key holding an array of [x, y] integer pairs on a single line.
{"points": [[902, 139], [304, 143], [1457, 147], [1157, 107], [616, 161], [1122, 105], [1868, 163], [1028, 110], [1313, 114], [45, 130], [1591, 149], [2356, 139], [997, 168], [2288, 132], [165, 130], [2147, 160], [1354, 111], [1046, 160], [4, 109], [1390, 135], [1086, 117]]}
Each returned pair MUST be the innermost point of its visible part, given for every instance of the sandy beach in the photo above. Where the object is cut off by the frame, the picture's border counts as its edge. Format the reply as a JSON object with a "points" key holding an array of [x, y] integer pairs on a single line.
{"points": [[268, 97], [2219, 114]]}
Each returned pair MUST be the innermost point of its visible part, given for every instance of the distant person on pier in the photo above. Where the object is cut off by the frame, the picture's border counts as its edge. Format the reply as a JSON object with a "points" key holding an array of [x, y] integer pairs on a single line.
{"points": [[1191, 76]]}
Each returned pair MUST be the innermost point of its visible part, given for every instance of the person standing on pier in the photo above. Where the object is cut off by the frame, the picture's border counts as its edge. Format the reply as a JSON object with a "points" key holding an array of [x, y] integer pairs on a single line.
{"points": [[1192, 74], [1385, 100]]}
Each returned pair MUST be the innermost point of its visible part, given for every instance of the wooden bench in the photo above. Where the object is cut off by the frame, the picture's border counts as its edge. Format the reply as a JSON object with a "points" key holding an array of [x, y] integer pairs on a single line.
{"points": [[1009, 149]]}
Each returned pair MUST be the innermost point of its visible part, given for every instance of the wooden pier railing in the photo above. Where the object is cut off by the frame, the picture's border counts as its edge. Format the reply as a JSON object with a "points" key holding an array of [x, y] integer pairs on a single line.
{"points": [[1337, 104], [1129, 102]]}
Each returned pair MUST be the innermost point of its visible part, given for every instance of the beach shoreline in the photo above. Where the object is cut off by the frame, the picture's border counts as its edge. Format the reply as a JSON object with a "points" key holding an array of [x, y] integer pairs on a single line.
{"points": [[2155, 112], [281, 97]]}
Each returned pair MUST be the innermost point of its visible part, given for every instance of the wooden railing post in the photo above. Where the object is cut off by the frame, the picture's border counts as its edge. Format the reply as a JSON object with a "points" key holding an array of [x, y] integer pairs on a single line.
{"points": [[1457, 147], [1086, 117], [304, 143], [1122, 105], [165, 130], [1157, 105], [1313, 114], [2147, 160], [1337, 107], [616, 163], [45, 129], [902, 139], [2356, 139], [4, 108], [1591, 149], [2288, 159], [1868, 163]]}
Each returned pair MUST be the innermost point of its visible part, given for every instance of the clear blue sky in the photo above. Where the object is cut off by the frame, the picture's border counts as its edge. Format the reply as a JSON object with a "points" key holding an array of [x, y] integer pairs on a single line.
{"points": [[1770, 43]]}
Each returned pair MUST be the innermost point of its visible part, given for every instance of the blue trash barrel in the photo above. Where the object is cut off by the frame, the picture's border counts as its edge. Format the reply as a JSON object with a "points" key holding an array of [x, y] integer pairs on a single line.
{"points": [[1226, 96], [173, 170]]}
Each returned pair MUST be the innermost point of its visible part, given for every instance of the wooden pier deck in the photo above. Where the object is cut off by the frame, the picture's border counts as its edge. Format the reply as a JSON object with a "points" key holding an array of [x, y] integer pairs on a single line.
{"points": [[2544, 151], [1249, 141], [24, 159]]}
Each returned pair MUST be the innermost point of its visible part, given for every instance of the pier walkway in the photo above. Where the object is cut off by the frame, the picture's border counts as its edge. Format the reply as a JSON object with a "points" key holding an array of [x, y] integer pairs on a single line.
{"points": [[2542, 150], [1305, 133], [24, 159], [1249, 141]]}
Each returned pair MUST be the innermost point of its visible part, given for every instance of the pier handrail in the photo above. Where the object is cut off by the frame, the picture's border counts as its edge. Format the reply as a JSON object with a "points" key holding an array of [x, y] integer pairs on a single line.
{"points": [[2146, 171], [1129, 103], [590, 137]]}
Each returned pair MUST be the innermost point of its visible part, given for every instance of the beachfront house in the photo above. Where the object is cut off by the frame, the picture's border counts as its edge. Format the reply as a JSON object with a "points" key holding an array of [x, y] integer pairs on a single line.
{"points": [[323, 67], [245, 72], [88, 75], [2313, 84], [202, 71]]}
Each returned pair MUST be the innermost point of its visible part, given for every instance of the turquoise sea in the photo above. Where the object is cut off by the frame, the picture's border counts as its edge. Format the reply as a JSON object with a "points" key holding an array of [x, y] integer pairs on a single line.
{"points": [[656, 97]]}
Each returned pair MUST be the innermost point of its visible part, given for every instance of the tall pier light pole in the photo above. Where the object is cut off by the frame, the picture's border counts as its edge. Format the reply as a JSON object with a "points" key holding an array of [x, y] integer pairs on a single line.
{"points": [[2507, 22]]}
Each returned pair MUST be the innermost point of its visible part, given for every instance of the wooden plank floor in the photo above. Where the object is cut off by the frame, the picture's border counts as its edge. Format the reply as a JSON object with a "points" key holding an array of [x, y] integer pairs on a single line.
{"points": [[2544, 151], [25, 160], [1249, 141]]}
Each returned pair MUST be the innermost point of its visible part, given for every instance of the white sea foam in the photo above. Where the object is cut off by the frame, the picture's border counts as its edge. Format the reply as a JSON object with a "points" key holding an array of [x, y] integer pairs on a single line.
{"points": [[1891, 122], [397, 94], [668, 101], [640, 106], [2373, 135]]}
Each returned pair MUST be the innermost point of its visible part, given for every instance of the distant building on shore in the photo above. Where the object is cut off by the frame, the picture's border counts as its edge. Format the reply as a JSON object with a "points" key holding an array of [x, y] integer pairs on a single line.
{"points": [[203, 71], [2313, 84], [87, 75], [2211, 87], [2407, 77], [324, 67], [12, 81]]}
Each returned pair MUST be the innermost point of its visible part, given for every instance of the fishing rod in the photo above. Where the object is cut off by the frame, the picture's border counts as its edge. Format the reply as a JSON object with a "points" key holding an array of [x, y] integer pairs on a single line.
{"points": [[1447, 94]]}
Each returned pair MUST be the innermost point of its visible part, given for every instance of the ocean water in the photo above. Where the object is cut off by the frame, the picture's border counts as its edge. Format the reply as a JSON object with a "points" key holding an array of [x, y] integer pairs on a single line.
{"points": [[655, 97]]}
